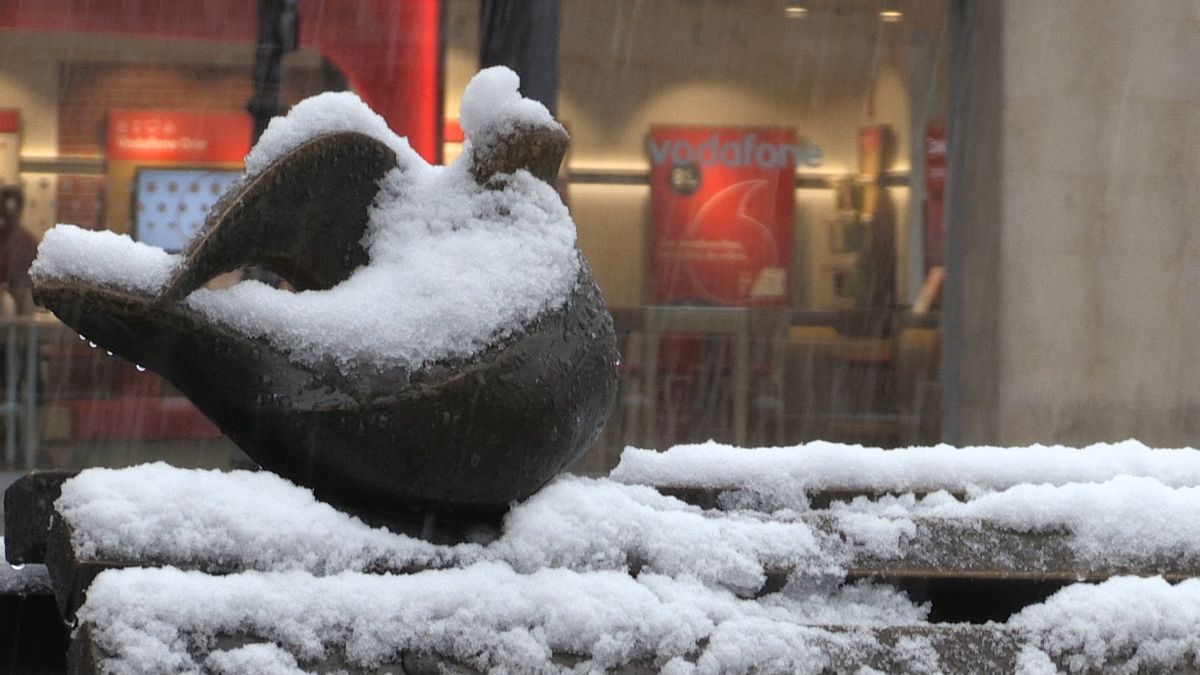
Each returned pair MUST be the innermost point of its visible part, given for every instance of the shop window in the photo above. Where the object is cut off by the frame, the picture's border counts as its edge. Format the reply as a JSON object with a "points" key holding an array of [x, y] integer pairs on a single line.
{"points": [[759, 191]]}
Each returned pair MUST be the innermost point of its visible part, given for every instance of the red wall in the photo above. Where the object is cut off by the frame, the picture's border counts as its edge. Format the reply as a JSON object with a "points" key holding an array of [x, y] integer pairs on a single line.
{"points": [[389, 49]]}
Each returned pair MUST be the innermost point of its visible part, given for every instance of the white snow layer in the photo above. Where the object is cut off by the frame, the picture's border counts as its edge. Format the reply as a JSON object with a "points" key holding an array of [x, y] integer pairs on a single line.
{"points": [[491, 616], [257, 520], [72, 253], [788, 475], [1123, 625], [262, 658], [1124, 520], [251, 519], [453, 266], [619, 573], [491, 105], [322, 114]]}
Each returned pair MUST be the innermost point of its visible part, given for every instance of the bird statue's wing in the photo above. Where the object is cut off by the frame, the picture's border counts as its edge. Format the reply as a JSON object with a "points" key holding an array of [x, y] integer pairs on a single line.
{"points": [[303, 217]]}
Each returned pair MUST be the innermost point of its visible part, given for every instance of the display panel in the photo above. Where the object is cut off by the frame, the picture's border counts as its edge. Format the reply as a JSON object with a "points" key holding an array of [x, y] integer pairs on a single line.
{"points": [[170, 204]]}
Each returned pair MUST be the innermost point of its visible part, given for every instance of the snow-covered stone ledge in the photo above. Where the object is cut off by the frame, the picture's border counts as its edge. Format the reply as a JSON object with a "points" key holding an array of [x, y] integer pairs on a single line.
{"points": [[790, 476], [486, 618], [489, 618], [764, 570]]}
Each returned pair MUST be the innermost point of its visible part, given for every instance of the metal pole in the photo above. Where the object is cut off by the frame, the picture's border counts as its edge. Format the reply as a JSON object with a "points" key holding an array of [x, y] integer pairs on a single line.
{"points": [[32, 349], [11, 405], [523, 35], [278, 33], [278, 25], [970, 346]]}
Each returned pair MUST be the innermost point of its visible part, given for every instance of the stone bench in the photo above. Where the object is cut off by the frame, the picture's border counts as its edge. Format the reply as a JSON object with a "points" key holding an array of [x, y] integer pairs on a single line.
{"points": [[717, 566]]}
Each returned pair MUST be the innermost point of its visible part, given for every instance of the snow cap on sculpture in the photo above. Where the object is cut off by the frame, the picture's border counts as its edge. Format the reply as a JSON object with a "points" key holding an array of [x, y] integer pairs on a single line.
{"points": [[492, 103]]}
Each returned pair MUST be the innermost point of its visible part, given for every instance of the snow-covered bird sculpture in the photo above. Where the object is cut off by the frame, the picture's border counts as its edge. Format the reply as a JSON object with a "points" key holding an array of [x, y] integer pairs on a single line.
{"points": [[446, 349]]}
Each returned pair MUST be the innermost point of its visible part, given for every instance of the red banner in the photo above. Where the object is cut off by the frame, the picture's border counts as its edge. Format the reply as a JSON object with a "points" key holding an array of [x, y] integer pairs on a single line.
{"points": [[176, 136], [10, 120], [722, 201], [389, 49]]}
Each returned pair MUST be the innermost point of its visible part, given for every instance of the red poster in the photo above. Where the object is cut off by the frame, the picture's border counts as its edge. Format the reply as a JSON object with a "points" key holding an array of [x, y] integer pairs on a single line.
{"points": [[389, 49], [178, 136], [10, 120], [721, 210]]}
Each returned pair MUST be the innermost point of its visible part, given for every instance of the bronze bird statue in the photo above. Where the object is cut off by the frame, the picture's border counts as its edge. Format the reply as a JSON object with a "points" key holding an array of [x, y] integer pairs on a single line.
{"points": [[446, 349]]}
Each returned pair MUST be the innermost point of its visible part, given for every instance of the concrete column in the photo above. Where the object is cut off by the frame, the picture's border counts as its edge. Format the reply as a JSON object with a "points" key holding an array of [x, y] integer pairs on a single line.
{"points": [[1075, 223]]}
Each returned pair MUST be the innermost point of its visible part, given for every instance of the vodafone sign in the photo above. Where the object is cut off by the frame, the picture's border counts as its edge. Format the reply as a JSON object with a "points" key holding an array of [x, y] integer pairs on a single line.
{"points": [[722, 201], [748, 150], [178, 136]]}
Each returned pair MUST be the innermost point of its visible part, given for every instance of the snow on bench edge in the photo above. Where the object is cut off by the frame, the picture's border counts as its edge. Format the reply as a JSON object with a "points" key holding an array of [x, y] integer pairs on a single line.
{"points": [[488, 615], [261, 521], [255, 518], [822, 466], [496, 619]]}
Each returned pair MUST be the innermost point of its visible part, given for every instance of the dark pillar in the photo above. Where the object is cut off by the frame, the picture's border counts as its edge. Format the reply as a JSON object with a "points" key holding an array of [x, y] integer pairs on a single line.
{"points": [[278, 31], [278, 25], [332, 77], [973, 295], [523, 35]]}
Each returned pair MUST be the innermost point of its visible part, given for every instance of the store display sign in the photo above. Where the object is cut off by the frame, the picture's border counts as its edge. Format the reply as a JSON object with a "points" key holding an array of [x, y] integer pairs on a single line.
{"points": [[160, 135], [722, 201], [170, 205]]}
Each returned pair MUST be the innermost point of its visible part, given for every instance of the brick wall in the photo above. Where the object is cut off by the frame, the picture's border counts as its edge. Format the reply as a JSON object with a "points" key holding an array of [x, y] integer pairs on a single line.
{"points": [[81, 200], [88, 90]]}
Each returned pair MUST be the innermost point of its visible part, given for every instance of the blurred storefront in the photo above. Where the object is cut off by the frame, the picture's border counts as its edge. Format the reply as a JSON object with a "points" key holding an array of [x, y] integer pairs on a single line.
{"points": [[758, 188], [748, 181], [762, 189], [131, 116]]}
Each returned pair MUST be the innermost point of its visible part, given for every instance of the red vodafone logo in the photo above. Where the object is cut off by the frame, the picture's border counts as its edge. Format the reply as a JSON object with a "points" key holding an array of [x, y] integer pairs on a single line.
{"points": [[729, 245], [722, 201]]}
